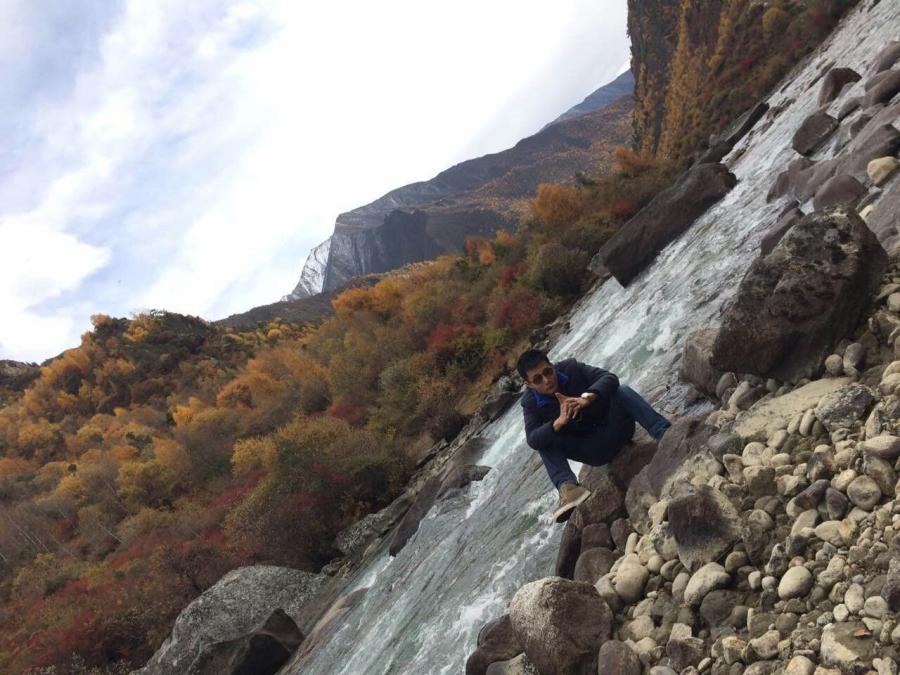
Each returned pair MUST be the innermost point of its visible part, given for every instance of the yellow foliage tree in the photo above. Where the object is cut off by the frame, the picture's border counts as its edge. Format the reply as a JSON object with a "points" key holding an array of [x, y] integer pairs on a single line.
{"points": [[557, 206]]}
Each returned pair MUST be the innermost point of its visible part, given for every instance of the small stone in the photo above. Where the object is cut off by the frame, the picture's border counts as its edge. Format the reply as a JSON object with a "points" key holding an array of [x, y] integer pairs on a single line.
{"points": [[885, 446], [830, 531], [875, 607], [629, 581], [707, 578], [854, 598], [766, 646], [864, 492], [795, 583], [755, 580], [732, 649], [881, 169], [836, 503], [760, 480], [799, 665], [834, 365], [680, 585]]}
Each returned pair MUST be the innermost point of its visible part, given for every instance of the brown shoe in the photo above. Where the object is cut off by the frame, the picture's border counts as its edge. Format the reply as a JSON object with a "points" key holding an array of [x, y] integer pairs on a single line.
{"points": [[570, 496]]}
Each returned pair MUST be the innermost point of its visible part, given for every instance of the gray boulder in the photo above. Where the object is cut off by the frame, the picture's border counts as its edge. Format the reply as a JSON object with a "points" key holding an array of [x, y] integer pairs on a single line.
{"points": [[669, 214], [839, 190], [234, 624], [834, 82], [460, 476], [695, 366], [887, 57], [496, 642], [593, 564], [885, 90], [795, 304], [845, 407], [721, 524], [617, 657], [813, 132], [561, 625]]}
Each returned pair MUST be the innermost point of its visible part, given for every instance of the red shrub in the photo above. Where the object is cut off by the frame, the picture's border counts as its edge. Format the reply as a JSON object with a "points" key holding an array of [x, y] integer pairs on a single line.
{"points": [[511, 273], [520, 310], [623, 208], [348, 410]]}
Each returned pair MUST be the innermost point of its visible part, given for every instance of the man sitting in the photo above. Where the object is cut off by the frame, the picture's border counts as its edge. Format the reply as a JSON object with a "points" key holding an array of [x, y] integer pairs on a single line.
{"points": [[580, 412]]}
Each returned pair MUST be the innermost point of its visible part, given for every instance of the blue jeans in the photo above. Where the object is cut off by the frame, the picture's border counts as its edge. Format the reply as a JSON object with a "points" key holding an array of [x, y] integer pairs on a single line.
{"points": [[599, 445]]}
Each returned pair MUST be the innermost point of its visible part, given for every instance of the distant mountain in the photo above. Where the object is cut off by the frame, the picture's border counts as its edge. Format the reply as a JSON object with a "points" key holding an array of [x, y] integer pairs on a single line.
{"points": [[623, 85], [423, 220]]}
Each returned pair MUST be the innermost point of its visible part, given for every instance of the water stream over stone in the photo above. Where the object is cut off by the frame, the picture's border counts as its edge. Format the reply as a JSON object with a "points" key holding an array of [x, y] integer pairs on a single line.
{"points": [[424, 607]]}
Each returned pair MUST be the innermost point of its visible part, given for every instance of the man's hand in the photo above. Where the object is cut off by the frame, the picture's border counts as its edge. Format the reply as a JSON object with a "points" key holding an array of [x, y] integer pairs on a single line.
{"points": [[569, 409]]}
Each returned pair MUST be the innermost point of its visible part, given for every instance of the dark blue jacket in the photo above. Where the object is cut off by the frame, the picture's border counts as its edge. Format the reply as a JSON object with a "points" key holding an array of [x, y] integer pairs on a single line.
{"points": [[575, 378]]}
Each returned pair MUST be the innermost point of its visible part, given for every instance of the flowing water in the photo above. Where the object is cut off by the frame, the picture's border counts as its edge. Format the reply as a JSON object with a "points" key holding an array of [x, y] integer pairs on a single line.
{"points": [[424, 607]]}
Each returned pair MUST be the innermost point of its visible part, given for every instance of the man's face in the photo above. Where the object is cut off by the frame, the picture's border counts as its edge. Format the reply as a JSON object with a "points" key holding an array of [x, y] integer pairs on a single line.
{"points": [[542, 378]]}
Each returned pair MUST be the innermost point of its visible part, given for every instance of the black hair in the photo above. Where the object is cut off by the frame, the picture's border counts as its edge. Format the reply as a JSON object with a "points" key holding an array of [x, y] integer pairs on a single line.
{"points": [[529, 360]]}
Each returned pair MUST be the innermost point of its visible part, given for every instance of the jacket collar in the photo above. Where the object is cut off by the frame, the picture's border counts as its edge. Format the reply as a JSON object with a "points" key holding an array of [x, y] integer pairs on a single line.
{"points": [[547, 400]]}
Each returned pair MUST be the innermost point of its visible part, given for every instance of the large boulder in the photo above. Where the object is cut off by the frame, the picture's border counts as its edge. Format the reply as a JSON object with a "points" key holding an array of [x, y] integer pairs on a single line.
{"points": [[669, 214], [885, 90], [813, 132], [234, 624], [786, 182], [834, 82], [795, 304], [887, 57], [695, 365], [606, 500], [561, 625], [460, 476], [593, 564], [721, 524], [841, 190], [685, 438], [496, 642]]}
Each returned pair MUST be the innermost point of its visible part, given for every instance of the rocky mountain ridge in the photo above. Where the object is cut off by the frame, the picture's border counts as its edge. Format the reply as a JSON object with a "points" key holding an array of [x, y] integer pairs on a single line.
{"points": [[476, 197]]}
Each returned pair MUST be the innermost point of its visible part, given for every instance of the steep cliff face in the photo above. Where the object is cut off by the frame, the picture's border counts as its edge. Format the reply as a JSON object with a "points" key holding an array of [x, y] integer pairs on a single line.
{"points": [[698, 65], [477, 197], [312, 278]]}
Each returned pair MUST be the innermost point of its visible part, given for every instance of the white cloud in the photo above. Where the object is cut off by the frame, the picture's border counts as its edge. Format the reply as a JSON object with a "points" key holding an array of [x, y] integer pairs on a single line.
{"points": [[198, 150]]}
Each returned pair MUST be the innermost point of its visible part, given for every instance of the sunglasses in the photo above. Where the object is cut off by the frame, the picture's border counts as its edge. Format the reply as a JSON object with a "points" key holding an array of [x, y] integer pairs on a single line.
{"points": [[543, 375]]}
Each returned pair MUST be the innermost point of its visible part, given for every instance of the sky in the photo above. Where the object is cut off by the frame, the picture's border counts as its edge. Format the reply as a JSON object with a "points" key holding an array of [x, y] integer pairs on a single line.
{"points": [[186, 156]]}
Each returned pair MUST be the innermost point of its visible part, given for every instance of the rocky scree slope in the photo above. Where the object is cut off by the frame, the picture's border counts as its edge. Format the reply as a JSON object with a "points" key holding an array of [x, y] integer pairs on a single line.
{"points": [[762, 537]]}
